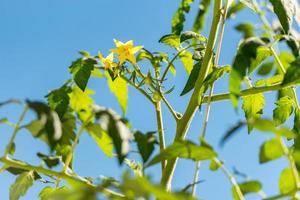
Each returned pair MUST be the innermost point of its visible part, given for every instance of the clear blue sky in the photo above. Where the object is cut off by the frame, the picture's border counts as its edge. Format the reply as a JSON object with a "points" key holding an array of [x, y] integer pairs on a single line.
{"points": [[40, 38]]}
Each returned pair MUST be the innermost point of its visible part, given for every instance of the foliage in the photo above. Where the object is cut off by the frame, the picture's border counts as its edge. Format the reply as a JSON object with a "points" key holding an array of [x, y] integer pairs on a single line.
{"points": [[258, 67]]}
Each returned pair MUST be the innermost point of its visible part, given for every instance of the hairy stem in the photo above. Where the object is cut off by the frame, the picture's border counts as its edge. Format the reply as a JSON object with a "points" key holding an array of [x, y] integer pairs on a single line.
{"points": [[15, 131], [184, 123]]}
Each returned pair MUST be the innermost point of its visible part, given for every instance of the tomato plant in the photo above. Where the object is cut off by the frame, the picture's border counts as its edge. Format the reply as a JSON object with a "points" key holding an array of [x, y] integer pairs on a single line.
{"points": [[259, 66]]}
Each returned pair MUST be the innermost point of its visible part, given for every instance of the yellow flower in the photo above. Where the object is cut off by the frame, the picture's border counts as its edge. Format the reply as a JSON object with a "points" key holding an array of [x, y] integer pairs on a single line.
{"points": [[108, 62], [126, 51]]}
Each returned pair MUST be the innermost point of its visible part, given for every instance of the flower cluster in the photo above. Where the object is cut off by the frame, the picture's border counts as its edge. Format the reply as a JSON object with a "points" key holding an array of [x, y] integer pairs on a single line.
{"points": [[124, 51]]}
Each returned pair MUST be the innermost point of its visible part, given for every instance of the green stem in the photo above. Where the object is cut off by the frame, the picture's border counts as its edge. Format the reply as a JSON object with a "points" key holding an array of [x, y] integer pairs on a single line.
{"points": [[15, 131], [184, 123], [247, 92], [60, 175]]}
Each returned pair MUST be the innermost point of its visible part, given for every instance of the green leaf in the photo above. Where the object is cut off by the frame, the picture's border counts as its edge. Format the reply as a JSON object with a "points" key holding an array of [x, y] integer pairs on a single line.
{"points": [[120, 89], [262, 53], [253, 107], [145, 143], [81, 102], [277, 79], [265, 68], [214, 165], [81, 70], [247, 29], [49, 193], [179, 17], [51, 161], [284, 109], [200, 18], [270, 150], [250, 4], [285, 11], [23, 182], [116, 129], [183, 149], [58, 100], [186, 58], [101, 137], [187, 35], [247, 52], [287, 182], [142, 188], [296, 127], [172, 40], [47, 126], [190, 84], [215, 75], [292, 75], [234, 9], [250, 187]]}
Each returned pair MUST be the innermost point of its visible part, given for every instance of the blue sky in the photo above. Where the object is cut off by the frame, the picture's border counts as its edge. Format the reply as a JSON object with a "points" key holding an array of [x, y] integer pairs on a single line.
{"points": [[40, 38]]}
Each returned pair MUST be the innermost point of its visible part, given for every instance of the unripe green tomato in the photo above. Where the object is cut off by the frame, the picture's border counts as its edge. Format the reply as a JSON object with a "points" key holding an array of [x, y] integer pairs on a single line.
{"points": [[156, 97]]}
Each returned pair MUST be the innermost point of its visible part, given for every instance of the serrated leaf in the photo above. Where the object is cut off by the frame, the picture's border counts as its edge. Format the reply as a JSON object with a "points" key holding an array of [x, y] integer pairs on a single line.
{"points": [[270, 150], [253, 107], [287, 182], [146, 143], [190, 84], [179, 17], [81, 102], [101, 137], [81, 70], [58, 100], [285, 11], [23, 182], [200, 18], [183, 149], [120, 89], [247, 52], [171, 40], [284, 109], [186, 58]]}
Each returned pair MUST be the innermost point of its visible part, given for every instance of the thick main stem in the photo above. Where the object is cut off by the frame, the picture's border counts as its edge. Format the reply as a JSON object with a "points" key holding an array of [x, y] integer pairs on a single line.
{"points": [[184, 123]]}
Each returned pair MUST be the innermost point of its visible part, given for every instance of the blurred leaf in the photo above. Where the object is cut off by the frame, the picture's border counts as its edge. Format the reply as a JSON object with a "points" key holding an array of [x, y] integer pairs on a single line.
{"points": [[247, 29], [190, 84], [187, 35], [183, 149], [248, 187], [58, 100], [296, 127], [247, 52], [145, 143], [284, 109], [215, 75], [231, 131], [285, 11], [49, 193], [262, 53], [81, 70], [250, 4], [171, 40], [22, 183], [47, 126], [234, 9], [136, 167], [277, 79], [270, 150], [116, 129], [101, 137], [214, 165], [10, 101], [186, 58], [51, 161], [253, 107], [265, 68], [81, 102], [120, 89], [287, 182], [200, 18], [179, 17]]}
